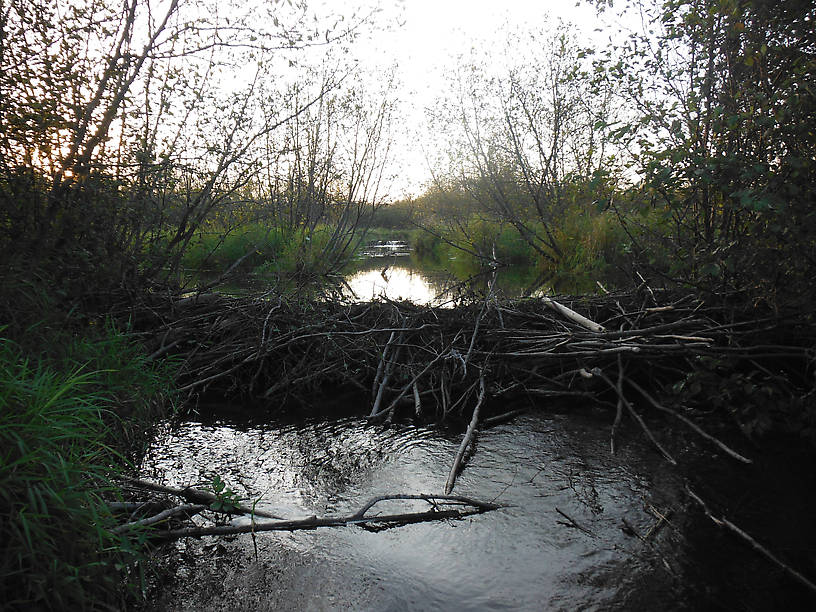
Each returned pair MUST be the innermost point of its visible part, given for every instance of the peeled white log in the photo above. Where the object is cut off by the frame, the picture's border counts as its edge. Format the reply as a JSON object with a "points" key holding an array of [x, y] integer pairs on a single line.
{"points": [[573, 316]]}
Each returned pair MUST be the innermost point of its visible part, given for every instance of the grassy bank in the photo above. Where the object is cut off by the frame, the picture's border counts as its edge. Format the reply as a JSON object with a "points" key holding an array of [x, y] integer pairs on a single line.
{"points": [[269, 250], [68, 425], [593, 247]]}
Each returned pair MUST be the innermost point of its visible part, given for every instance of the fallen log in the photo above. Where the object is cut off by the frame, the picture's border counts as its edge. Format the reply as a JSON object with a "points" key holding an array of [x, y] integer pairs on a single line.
{"points": [[442, 507]]}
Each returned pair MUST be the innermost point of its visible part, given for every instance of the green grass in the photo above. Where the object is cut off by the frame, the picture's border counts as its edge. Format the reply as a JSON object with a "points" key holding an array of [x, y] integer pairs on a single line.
{"points": [[271, 251], [594, 247], [65, 428], [217, 251]]}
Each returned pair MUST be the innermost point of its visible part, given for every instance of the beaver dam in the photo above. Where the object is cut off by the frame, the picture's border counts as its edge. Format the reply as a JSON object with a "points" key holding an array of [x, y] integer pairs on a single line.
{"points": [[423, 410]]}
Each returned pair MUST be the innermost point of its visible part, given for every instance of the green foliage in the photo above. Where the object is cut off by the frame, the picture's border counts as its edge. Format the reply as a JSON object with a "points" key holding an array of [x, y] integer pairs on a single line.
{"points": [[218, 251], [55, 466], [594, 247], [724, 134], [141, 390], [227, 499], [63, 426], [428, 245], [303, 254]]}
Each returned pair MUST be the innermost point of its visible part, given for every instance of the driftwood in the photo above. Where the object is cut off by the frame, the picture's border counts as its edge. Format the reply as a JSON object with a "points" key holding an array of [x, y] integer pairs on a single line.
{"points": [[441, 507]]}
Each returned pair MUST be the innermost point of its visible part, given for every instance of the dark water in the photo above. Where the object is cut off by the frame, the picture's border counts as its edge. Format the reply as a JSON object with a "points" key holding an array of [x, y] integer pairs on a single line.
{"points": [[521, 557]]}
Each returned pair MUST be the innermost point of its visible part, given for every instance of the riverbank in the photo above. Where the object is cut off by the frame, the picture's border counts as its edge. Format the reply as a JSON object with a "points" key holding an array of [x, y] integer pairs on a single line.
{"points": [[72, 418], [595, 253]]}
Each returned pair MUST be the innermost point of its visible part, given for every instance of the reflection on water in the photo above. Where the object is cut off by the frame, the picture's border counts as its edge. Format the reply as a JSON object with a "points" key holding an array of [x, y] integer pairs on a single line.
{"points": [[434, 283], [396, 282], [517, 558]]}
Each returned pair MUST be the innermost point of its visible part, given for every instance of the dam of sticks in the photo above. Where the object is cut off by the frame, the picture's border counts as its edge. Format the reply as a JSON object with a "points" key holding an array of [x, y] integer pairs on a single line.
{"points": [[630, 352], [689, 378]]}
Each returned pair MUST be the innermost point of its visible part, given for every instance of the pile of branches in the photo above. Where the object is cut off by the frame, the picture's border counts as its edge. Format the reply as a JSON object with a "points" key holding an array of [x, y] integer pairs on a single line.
{"points": [[398, 357]]}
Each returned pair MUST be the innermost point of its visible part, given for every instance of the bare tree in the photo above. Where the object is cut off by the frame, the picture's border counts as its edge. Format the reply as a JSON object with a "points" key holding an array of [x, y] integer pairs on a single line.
{"points": [[124, 127], [528, 132]]}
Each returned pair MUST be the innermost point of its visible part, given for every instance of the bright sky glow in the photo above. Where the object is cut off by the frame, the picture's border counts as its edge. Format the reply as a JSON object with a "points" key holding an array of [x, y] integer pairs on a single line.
{"points": [[428, 39]]}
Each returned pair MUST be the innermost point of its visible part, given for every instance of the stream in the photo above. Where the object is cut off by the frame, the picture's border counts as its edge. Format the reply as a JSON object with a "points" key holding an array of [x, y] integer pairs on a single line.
{"points": [[523, 556], [579, 528]]}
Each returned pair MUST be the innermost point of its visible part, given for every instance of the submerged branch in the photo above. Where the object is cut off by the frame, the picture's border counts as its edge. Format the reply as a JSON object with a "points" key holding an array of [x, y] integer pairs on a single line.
{"points": [[724, 522], [442, 507], [466, 441]]}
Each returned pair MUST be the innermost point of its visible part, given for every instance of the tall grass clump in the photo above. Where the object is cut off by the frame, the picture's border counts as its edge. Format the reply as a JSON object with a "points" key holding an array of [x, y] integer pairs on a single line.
{"points": [[217, 251], [60, 446], [139, 389], [594, 248]]}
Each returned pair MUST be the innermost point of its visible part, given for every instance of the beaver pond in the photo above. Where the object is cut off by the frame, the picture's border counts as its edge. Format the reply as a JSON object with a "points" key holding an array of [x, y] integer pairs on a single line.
{"points": [[579, 529]]}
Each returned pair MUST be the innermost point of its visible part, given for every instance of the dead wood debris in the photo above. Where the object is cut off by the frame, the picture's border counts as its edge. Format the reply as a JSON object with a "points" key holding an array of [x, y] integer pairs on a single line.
{"points": [[626, 348], [174, 521]]}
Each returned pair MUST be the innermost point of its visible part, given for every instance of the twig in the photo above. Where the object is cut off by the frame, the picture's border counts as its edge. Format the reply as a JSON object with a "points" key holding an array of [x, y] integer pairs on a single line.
{"points": [[619, 411], [196, 496], [405, 389], [381, 364], [460, 454], [186, 509], [573, 523], [724, 522], [478, 321], [690, 423], [640, 420], [417, 400]]}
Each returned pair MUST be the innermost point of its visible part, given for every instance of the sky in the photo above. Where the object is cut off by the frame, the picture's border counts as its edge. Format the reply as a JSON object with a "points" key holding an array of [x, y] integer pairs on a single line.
{"points": [[426, 39]]}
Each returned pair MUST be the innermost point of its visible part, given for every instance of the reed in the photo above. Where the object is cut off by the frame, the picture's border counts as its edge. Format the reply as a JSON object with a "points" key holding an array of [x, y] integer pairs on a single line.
{"points": [[60, 447]]}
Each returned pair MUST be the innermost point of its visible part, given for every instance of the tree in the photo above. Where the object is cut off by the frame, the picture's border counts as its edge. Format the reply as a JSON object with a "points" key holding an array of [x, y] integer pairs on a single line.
{"points": [[723, 135], [528, 132], [123, 127]]}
